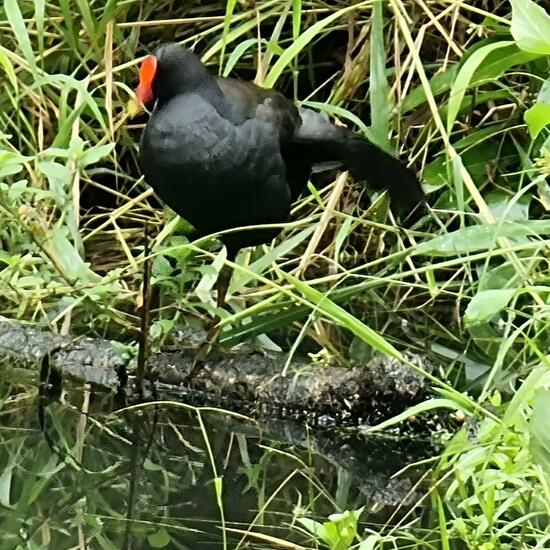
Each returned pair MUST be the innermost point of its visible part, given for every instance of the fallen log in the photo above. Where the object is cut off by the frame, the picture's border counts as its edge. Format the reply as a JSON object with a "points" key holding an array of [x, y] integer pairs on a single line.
{"points": [[247, 381]]}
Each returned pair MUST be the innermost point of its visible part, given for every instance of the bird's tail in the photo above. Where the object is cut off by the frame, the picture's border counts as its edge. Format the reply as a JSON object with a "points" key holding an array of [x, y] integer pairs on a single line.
{"points": [[325, 142], [382, 171]]}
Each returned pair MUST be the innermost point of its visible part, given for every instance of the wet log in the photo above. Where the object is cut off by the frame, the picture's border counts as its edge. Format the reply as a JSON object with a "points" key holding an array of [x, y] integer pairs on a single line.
{"points": [[247, 381]]}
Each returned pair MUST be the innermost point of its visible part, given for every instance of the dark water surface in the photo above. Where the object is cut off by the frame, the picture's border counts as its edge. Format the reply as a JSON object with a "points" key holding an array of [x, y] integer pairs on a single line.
{"points": [[171, 476]]}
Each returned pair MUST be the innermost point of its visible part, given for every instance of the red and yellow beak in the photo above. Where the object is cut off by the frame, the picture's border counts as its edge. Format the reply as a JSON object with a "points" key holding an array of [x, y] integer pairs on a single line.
{"points": [[144, 91]]}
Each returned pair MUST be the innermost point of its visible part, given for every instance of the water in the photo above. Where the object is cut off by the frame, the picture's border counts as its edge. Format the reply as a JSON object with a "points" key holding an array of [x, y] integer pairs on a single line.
{"points": [[171, 476]]}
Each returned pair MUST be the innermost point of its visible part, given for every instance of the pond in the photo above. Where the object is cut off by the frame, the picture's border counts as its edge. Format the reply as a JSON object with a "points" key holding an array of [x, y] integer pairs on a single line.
{"points": [[167, 475]]}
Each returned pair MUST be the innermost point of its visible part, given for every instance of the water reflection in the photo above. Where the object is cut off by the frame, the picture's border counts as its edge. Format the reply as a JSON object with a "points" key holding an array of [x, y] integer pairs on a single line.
{"points": [[171, 476]]}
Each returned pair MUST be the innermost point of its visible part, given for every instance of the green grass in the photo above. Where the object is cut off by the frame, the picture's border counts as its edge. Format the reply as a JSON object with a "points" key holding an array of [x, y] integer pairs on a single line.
{"points": [[458, 88]]}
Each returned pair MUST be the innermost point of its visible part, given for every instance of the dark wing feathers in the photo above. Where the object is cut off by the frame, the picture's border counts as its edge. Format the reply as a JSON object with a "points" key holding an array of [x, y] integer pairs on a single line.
{"points": [[320, 141], [216, 173], [308, 138], [264, 104]]}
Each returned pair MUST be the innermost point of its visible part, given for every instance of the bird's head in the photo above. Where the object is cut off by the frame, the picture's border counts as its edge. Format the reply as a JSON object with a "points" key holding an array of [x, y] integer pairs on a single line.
{"points": [[172, 69]]}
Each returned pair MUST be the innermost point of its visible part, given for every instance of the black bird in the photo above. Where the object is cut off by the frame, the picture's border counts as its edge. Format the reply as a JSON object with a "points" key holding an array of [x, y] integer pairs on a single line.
{"points": [[226, 154]]}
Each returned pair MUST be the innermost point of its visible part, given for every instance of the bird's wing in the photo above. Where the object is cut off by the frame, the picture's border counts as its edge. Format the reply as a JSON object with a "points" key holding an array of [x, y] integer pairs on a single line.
{"points": [[215, 173], [270, 106], [316, 140], [308, 137]]}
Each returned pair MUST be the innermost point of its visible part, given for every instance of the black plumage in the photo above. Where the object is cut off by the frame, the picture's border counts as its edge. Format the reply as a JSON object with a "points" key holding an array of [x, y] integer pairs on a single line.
{"points": [[224, 153]]}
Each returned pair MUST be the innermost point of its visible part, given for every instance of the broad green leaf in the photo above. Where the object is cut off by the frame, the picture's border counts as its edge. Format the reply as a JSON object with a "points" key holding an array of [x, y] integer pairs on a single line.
{"points": [[29, 281], [63, 137], [531, 26], [39, 6], [487, 303], [95, 154], [499, 61], [162, 268], [439, 84], [17, 23], [10, 163], [378, 89], [7, 65], [160, 539], [36, 483], [17, 190], [464, 77], [544, 94], [503, 206], [209, 277], [6, 483], [537, 117], [236, 54], [540, 434], [296, 18], [59, 177], [537, 378], [66, 256], [480, 237]]}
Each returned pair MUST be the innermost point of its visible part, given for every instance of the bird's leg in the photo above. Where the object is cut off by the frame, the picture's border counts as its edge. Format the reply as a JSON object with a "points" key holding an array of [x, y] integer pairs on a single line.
{"points": [[222, 285]]}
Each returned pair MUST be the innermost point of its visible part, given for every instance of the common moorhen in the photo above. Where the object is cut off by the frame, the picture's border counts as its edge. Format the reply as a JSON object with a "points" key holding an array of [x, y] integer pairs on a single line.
{"points": [[227, 154]]}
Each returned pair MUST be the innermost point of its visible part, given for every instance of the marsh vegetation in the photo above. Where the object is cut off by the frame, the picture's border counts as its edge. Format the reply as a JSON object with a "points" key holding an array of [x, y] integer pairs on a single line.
{"points": [[460, 90]]}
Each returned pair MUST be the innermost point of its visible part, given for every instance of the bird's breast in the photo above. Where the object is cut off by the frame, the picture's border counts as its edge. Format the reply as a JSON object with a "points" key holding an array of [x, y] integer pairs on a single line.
{"points": [[190, 138], [215, 173]]}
